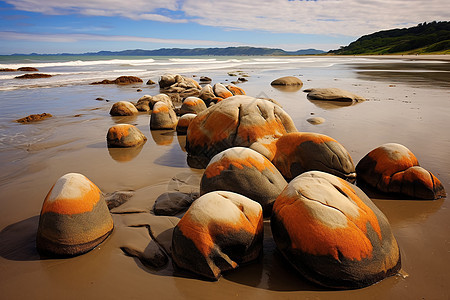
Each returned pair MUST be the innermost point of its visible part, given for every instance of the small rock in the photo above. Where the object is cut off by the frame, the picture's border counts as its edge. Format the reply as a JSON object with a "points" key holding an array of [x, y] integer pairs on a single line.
{"points": [[28, 69], [123, 108], [150, 82], [34, 118], [138, 90], [205, 79], [316, 120], [33, 76], [125, 135]]}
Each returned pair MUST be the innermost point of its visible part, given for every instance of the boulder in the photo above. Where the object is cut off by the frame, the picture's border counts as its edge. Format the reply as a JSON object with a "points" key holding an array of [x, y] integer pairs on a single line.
{"points": [[143, 103], [8, 70], [125, 135], [161, 97], [178, 84], [393, 168], [246, 172], [33, 76], [206, 94], [205, 79], [332, 233], [183, 123], [235, 90], [163, 117], [219, 231], [34, 118], [74, 217], [221, 91], [123, 108], [173, 203], [287, 80], [122, 80], [192, 105], [237, 121], [333, 94], [150, 82], [300, 152]]}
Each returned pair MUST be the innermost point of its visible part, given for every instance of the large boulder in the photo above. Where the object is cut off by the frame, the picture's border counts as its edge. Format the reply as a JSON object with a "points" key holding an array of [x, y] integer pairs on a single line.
{"points": [[125, 135], [123, 108], [287, 80], [143, 103], [219, 231], [299, 152], [163, 117], [74, 217], [161, 98], [183, 123], [207, 93], [237, 121], [221, 91], [333, 94], [332, 233], [393, 168], [192, 105], [246, 172]]}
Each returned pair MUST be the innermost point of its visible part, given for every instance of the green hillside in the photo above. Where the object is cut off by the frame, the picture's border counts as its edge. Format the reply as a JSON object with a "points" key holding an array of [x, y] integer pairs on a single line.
{"points": [[425, 38]]}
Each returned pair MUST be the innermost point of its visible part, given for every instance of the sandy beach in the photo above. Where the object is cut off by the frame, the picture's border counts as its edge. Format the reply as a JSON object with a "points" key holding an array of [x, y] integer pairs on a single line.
{"points": [[407, 103]]}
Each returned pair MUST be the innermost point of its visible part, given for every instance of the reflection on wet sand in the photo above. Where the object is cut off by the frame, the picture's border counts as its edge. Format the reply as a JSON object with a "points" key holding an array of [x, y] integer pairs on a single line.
{"points": [[125, 119], [331, 104], [163, 137], [125, 154], [288, 88], [182, 142]]}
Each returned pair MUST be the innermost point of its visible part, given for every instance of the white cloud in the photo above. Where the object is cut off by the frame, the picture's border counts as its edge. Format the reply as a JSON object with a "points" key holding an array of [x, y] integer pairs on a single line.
{"points": [[70, 38], [326, 17]]}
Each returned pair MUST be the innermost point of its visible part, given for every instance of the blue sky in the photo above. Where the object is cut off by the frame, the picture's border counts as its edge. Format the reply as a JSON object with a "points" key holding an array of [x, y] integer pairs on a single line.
{"points": [[78, 26]]}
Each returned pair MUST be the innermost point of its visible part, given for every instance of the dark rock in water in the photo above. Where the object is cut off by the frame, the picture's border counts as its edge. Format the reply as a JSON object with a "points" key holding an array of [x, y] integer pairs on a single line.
{"points": [[173, 203], [242, 79], [205, 79], [116, 199], [332, 233], [122, 80], [246, 172], [34, 118], [393, 168], [27, 69], [287, 80], [99, 99], [150, 82], [332, 94], [8, 70], [138, 90], [219, 231], [74, 217], [33, 76]]}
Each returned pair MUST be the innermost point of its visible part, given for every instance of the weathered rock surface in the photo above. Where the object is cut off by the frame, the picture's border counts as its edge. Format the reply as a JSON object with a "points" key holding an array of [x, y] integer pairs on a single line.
{"points": [[246, 172], [34, 118], [333, 94], [237, 121], [332, 233], [74, 217], [219, 231], [177, 84], [235, 90], [206, 94], [183, 123], [393, 168], [221, 91], [287, 80], [161, 98], [163, 117], [192, 105], [143, 103], [122, 80], [125, 135], [123, 108], [300, 152], [33, 76]]}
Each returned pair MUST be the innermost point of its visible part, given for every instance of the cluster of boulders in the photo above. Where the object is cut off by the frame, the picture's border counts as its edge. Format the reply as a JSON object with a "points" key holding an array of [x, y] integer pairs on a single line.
{"points": [[256, 165]]}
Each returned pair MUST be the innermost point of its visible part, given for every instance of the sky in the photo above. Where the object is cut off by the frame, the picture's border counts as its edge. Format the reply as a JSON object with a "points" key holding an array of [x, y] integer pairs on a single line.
{"points": [[79, 26]]}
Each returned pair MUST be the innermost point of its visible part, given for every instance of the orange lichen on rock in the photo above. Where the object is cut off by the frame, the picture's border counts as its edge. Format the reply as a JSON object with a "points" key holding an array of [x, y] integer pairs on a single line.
{"points": [[221, 91], [235, 90], [71, 194]]}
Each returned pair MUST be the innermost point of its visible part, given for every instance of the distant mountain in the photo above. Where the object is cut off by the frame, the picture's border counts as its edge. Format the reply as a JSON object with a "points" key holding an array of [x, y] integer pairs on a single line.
{"points": [[229, 51], [424, 38]]}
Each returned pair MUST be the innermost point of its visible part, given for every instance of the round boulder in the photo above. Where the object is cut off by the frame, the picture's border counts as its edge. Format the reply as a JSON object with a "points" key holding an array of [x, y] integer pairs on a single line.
{"points": [[125, 135], [332, 233], [207, 93], [192, 105], [219, 231], [300, 152], [246, 172], [163, 117], [221, 91], [160, 98], [143, 103], [74, 217], [333, 94], [123, 108], [236, 121], [235, 90], [287, 80], [393, 168], [183, 123]]}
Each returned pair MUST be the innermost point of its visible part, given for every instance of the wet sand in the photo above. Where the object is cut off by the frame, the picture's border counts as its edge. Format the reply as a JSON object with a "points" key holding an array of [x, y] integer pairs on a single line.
{"points": [[411, 111]]}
